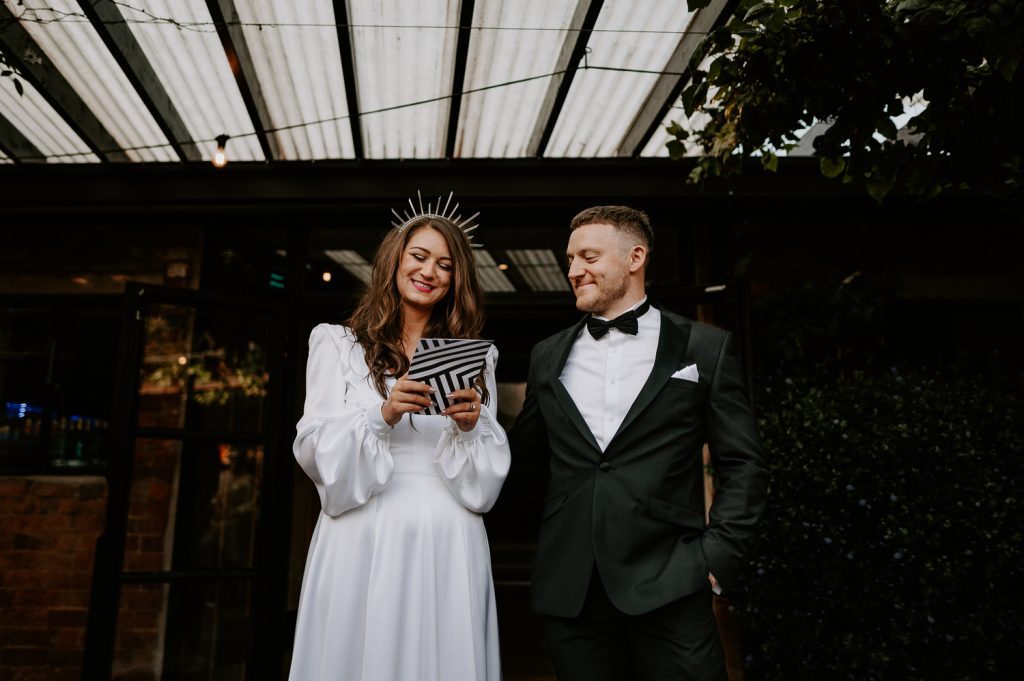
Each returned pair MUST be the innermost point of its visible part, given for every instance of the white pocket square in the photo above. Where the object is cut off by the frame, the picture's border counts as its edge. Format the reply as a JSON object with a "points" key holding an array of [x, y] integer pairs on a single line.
{"points": [[687, 373]]}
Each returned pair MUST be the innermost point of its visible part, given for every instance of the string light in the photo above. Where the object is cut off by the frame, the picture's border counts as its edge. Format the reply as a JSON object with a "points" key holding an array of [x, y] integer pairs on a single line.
{"points": [[220, 157]]}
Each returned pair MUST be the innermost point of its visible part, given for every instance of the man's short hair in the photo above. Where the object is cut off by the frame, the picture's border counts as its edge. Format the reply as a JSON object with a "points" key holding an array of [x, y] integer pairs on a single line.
{"points": [[633, 222]]}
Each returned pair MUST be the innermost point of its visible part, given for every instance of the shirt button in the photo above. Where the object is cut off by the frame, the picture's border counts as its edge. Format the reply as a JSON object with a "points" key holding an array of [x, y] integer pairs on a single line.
{"points": [[605, 467]]}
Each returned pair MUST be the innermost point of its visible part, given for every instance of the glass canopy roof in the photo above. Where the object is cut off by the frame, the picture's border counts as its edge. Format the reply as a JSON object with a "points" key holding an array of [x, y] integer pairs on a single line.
{"points": [[160, 80]]}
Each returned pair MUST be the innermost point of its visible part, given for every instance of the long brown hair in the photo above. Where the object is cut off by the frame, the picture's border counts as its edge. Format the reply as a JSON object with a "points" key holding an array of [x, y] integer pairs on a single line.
{"points": [[377, 321]]}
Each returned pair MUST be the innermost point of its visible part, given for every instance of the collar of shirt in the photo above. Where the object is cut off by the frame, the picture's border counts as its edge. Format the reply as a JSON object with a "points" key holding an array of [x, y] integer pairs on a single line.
{"points": [[631, 307], [649, 322]]}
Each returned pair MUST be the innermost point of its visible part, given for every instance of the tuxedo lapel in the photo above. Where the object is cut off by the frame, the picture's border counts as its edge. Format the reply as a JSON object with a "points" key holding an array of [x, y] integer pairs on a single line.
{"points": [[672, 342], [559, 357]]}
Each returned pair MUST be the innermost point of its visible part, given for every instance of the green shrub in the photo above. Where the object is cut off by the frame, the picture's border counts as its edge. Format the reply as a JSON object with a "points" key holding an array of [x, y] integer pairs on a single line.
{"points": [[891, 547]]}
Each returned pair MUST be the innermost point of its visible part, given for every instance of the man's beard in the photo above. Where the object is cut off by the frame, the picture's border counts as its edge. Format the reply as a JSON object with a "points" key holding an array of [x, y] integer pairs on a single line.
{"points": [[607, 293]]}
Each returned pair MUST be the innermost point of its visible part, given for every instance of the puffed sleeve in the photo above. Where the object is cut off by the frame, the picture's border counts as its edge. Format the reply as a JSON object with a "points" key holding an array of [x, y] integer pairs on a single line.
{"points": [[474, 464], [342, 446]]}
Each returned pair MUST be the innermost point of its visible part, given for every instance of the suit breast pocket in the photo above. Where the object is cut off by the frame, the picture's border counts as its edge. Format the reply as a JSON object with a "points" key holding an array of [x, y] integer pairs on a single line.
{"points": [[683, 386], [684, 397]]}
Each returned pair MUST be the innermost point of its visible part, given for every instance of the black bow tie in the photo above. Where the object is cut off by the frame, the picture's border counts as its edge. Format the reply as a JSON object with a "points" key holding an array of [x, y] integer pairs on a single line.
{"points": [[625, 322]]}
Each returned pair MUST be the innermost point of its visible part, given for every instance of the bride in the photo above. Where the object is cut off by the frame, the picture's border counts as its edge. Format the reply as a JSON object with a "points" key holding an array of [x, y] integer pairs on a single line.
{"points": [[397, 582]]}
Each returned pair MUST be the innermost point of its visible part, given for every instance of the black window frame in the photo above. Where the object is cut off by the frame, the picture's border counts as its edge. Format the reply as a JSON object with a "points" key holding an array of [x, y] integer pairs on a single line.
{"points": [[58, 307]]}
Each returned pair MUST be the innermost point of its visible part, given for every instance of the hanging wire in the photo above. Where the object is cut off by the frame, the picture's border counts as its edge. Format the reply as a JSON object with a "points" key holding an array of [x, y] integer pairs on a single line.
{"points": [[61, 16], [371, 112]]}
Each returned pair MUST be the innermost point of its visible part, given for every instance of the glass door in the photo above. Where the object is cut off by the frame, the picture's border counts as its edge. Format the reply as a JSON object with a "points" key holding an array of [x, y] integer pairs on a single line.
{"points": [[186, 585]]}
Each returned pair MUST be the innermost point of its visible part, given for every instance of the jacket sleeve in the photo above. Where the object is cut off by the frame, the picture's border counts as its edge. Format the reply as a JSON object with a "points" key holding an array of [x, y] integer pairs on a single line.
{"points": [[739, 465], [342, 446], [530, 450], [474, 464]]}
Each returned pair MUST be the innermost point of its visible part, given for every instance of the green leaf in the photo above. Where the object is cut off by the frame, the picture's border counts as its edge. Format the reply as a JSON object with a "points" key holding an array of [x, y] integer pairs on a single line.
{"points": [[912, 5], [18, 86], [996, 11], [878, 187], [677, 130], [676, 149], [5, 73], [831, 167], [978, 27], [758, 11], [686, 97], [1007, 67], [694, 5], [694, 96], [777, 21], [770, 162], [715, 69]]}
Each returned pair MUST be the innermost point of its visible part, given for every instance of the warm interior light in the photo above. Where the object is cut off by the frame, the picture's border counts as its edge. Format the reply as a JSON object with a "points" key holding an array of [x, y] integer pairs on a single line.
{"points": [[182, 360], [327, 276], [503, 267], [220, 157]]}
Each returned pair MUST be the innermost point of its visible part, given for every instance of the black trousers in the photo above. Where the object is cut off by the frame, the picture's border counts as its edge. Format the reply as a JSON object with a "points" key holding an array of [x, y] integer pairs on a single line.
{"points": [[678, 641]]}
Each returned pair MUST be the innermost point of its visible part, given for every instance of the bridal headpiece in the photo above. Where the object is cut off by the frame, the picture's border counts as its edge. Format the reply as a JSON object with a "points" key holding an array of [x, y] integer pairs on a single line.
{"points": [[434, 210]]}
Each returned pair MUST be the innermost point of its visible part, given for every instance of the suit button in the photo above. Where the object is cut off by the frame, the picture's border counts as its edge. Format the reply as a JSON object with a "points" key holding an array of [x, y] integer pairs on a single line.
{"points": [[605, 467]]}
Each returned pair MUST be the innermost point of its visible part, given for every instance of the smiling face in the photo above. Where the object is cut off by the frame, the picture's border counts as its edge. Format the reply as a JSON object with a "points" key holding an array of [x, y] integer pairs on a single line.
{"points": [[424, 273], [602, 268]]}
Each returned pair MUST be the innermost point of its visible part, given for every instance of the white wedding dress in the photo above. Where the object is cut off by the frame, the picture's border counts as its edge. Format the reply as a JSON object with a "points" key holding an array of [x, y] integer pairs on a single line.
{"points": [[397, 584]]}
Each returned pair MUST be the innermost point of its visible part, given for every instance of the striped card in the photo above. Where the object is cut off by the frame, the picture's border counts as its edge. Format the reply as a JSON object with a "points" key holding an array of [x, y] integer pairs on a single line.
{"points": [[447, 364]]}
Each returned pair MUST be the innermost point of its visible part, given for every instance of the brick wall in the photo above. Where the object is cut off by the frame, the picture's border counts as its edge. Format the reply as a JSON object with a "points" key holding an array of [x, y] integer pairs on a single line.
{"points": [[48, 531], [142, 611]]}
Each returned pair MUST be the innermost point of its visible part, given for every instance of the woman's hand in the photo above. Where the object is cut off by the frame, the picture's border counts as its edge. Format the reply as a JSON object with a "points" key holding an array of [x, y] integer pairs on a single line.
{"points": [[406, 397], [465, 409]]}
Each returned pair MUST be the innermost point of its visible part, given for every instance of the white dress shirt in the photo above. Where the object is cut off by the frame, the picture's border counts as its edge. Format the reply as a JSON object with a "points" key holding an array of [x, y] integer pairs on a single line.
{"points": [[604, 376]]}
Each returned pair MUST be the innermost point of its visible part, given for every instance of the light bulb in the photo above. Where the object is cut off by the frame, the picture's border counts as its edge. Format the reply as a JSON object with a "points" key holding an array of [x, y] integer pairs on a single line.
{"points": [[327, 276], [220, 157]]}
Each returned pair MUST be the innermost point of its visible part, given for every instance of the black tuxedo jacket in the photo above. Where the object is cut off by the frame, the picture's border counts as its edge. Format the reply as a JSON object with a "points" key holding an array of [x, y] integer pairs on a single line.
{"points": [[637, 509]]}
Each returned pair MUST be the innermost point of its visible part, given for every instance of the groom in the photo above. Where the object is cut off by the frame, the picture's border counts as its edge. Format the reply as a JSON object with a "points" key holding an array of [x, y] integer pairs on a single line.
{"points": [[618, 408]]}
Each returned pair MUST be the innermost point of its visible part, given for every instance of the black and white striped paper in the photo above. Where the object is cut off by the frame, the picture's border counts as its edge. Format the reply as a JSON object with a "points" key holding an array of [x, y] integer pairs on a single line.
{"points": [[447, 364]]}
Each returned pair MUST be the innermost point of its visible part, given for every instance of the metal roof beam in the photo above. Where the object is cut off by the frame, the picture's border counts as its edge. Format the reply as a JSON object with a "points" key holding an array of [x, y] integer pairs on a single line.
{"points": [[575, 45], [667, 88], [459, 75], [232, 37], [259, 188], [16, 146], [36, 68], [348, 70], [109, 23]]}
